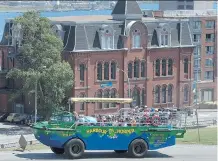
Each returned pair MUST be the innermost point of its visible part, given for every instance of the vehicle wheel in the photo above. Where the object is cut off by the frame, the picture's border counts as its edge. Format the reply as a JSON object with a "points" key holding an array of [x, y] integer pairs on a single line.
{"points": [[120, 151], [57, 150], [74, 148], [138, 148]]}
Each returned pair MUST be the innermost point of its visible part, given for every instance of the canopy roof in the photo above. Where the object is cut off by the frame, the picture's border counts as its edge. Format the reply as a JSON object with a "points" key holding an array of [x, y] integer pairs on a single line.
{"points": [[108, 100]]}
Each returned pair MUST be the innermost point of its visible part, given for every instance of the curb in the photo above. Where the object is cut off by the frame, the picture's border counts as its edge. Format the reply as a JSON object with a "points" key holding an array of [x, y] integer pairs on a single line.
{"points": [[16, 144]]}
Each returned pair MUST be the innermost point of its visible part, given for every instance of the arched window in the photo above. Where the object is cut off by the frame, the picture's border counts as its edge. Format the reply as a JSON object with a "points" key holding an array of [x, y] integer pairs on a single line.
{"points": [[186, 65], [170, 67], [106, 71], [136, 39], [106, 95], [113, 70], [136, 96], [164, 37], [157, 94], [143, 69], [170, 93], [143, 96], [186, 93], [82, 71], [157, 67], [82, 104], [99, 71], [113, 95], [164, 94], [136, 68], [164, 67], [130, 70], [99, 95]]}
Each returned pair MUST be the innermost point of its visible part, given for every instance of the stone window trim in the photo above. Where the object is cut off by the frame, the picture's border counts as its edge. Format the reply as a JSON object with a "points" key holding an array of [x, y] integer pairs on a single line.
{"points": [[113, 76], [82, 77], [160, 93], [136, 32], [165, 34], [161, 66], [97, 70], [104, 32], [102, 70]]}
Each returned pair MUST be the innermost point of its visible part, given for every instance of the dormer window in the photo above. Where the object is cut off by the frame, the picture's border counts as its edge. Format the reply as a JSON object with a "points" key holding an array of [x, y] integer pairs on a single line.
{"points": [[58, 30], [136, 39], [106, 37], [17, 35], [165, 37]]}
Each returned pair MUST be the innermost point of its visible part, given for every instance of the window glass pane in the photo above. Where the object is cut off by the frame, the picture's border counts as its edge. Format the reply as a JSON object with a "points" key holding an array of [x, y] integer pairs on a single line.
{"points": [[143, 97], [164, 67], [136, 69], [143, 69], [170, 67], [99, 71], [166, 39], [186, 65], [103, 42], [113, 70], [157, 68], [82, 72], [130, 70], [164, 94], [106, 71]]}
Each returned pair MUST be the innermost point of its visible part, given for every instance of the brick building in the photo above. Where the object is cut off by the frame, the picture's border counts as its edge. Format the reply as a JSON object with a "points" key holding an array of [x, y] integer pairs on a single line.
{"points": [[155, 54], [203, 25]]}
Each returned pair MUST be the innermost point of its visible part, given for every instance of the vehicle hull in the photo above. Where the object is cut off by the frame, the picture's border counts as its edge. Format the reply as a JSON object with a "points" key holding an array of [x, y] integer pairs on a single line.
{"points": [[108, 138]]}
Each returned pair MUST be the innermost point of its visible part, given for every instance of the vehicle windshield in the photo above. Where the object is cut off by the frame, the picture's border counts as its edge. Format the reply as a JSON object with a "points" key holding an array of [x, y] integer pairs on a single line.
{"points": [[62, 119]]}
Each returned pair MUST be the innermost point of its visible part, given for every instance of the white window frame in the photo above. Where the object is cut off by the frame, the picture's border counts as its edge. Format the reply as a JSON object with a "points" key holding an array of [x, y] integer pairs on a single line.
{"points": [[210, 75], [209, 63], [211, 39], [210, 51], [210, 24], [164, 37], [136, 39], [198, 37], [197, 75], [196, 25], [107, 38], [197, 51]]}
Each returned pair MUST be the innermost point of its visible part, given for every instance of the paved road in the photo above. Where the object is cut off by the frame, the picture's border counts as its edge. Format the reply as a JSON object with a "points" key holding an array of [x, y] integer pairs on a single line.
{"points": [[175, 153]]}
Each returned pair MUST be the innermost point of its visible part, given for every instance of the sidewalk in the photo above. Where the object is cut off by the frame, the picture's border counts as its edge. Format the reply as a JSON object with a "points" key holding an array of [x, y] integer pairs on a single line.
{"points": [[15, 138]]}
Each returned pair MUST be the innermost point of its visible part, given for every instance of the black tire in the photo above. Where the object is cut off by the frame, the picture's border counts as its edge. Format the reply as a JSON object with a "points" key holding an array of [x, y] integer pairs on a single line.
{"points": [[74, 149], [120, 151], [138, 148], [57, 150]]}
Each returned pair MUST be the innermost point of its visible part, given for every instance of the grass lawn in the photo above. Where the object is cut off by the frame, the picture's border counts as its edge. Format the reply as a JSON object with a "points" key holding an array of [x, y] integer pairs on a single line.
{"points": [[208, 136]]}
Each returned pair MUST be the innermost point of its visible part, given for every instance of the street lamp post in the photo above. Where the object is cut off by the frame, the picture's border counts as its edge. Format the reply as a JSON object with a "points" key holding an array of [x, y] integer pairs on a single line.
{"points": [[197, 103], [36, 94], [127, 80]]}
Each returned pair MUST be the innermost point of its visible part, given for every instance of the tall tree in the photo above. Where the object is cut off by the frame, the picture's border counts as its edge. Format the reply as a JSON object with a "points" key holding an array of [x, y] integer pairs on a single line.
{"points": [[39, 63]]}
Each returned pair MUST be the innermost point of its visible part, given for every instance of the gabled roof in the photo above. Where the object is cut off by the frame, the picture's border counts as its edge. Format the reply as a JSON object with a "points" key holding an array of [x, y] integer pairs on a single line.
{"points": [[127, 8]]}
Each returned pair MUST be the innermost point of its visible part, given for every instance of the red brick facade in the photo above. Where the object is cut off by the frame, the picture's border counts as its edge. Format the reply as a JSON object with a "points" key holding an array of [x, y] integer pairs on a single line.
{"points": [[90, 86]]}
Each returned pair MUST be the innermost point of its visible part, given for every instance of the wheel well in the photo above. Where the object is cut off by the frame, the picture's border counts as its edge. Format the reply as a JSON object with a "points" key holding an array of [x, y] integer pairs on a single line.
{"points": [[72, 139], [141, 139]]}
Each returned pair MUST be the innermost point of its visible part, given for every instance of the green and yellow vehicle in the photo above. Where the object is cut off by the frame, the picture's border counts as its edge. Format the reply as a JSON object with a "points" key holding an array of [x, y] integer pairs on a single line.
{"points": [[65, 134]]}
